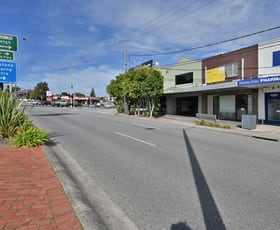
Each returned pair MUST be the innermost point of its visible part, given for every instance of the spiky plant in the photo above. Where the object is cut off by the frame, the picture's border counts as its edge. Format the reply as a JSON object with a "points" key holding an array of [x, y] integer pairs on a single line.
{"points": [[11, 117]]}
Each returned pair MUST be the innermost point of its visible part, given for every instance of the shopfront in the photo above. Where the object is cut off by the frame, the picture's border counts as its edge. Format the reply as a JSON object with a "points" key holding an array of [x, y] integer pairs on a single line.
{"points": [[187, 106], [268, 98], [272, 108]]}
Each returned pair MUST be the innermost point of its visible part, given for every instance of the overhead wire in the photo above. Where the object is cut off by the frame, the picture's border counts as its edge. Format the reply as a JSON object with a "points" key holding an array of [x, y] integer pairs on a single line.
{"points": [[231, 53], [153, 20], [207, 45], [154, 27]]}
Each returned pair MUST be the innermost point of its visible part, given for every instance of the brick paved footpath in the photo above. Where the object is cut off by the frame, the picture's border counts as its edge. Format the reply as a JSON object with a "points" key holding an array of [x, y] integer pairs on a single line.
{"points": [[31, 197]]}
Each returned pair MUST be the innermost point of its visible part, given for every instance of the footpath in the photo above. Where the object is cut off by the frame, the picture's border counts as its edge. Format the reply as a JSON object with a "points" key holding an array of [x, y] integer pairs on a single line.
{"points": [[31, 196]]}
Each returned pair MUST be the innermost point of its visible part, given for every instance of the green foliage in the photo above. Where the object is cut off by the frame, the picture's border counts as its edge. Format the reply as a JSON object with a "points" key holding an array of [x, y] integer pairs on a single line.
{"points": [[92, 93], [11, 118], [15, 125], [132, 109], [80, 95], [40, 90], [212, 124], [30, 137], [142, 87], [120, 109]]}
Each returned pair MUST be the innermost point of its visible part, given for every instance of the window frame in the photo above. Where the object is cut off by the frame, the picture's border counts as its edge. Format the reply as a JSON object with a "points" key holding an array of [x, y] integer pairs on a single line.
{"points": [[231, 69]]}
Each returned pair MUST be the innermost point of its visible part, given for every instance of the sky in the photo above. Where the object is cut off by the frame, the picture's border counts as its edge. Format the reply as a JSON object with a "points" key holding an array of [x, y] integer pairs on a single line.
{"points": [[86, 43]]}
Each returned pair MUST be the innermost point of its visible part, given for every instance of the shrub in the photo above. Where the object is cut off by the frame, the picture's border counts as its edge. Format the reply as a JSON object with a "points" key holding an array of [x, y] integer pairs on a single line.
{"points": [[120, 109], [132, 109], [30, 137], [11, 117], [213, 124]]}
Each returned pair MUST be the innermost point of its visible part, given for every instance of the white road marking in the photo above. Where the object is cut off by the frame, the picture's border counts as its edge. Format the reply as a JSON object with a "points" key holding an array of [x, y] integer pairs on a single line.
{"points": [[136, 139], [147, 127]]}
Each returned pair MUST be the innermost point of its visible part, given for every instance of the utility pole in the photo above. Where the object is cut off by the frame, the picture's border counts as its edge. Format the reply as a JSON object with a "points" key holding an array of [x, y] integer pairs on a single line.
{"points": [[125, 56], [125, 104], [71, 87]]}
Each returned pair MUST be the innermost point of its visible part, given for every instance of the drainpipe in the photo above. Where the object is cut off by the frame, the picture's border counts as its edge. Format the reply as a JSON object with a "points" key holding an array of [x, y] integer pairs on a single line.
{"points": [[242, 68], [205, 75]]}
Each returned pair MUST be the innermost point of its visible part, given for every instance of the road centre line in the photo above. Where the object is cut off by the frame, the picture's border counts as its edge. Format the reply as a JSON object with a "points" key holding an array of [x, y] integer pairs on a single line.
{"points": [[136, 139], [147, 127]]}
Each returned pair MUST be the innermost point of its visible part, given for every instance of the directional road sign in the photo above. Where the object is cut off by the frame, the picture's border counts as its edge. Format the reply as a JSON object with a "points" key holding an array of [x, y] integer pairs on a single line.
{"points": [[8, 72], [8, 42], [6, 55]]}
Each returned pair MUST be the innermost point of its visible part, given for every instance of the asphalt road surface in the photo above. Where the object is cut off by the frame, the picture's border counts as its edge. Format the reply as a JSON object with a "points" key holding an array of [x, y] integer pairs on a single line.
{"points": [[170, 176]]}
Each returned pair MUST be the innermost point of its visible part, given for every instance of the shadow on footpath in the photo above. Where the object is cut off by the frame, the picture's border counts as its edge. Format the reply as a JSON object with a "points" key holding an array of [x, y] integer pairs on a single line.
{"points": [[211, 215]]}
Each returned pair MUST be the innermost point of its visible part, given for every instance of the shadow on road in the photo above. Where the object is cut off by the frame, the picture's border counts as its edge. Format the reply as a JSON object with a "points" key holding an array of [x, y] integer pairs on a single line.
{"points": [[52, 114], [211, 215], [180, 226]]}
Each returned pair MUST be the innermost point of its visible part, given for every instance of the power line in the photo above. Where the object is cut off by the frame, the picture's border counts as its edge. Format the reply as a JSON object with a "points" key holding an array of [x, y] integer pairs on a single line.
{"points": [[175, 19], [231, 53], [207, 45], [153, 20]]}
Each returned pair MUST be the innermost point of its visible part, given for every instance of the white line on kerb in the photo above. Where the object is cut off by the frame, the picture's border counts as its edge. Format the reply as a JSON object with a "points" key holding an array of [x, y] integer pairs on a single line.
{"points": [[136, 139]]}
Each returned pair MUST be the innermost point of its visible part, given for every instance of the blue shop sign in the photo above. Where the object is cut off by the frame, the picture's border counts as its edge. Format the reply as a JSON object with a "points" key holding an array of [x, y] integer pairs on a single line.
{"points": [[256, 81]]}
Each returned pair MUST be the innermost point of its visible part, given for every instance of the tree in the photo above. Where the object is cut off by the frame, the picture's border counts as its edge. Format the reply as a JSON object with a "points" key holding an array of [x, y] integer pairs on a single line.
{"points": [[80, 95], [92, 93], [40, 90], [142, 87]]}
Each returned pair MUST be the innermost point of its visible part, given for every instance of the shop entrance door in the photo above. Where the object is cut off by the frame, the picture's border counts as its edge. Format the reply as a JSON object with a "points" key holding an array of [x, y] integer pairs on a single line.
{"points": [[272, 108]]}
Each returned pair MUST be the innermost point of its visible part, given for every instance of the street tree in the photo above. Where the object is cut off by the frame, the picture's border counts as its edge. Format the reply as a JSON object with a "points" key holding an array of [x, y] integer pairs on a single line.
{"points": [[142, 87], [80, 95], [92, 93], [40, 90]]}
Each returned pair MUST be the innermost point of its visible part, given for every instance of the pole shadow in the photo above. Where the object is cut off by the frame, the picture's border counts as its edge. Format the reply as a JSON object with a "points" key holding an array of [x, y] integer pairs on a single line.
{"points": [[180, 226], [211, 215]]}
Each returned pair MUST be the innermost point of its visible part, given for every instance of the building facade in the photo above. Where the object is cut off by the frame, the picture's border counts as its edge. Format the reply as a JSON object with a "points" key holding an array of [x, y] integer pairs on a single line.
{"points": [[244, 81], [178, 80], [267, 83]]}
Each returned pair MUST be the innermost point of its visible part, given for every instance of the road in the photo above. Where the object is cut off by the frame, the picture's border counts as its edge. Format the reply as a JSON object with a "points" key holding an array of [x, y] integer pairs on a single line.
{"points": [[169, 176]]}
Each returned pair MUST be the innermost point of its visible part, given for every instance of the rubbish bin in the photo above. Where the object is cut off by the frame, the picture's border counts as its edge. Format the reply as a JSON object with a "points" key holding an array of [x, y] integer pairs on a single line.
{"points": [[249, 121]]}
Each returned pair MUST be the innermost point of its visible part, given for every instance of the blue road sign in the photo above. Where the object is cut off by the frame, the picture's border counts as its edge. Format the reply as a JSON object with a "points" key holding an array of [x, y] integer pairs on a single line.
{"points": [[8, 72]]}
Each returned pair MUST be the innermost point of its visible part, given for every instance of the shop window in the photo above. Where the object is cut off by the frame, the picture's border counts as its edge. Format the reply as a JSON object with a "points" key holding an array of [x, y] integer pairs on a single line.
{"points": [[276, 58], [184, 78], [231, 70]]}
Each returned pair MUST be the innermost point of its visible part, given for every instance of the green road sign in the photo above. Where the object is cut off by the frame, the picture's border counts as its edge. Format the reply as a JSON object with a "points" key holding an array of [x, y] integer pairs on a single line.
{"points": [[8, 42], [6, 55]]}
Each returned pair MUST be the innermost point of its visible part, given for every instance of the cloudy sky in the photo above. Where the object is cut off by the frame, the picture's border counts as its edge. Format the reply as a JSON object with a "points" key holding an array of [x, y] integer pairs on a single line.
{"points": [[84, 40]]}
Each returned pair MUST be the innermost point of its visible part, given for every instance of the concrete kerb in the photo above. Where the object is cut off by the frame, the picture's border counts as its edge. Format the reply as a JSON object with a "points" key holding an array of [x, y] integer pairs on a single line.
{"points": [[92, 205], [264, 132]]}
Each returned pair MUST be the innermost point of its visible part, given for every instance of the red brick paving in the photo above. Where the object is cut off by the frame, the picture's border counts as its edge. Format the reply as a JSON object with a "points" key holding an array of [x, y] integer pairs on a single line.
{"points": [[31, 196]]}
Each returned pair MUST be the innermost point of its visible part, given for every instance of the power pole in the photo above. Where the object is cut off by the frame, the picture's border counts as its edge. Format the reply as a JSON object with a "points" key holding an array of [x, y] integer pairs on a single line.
{"points": [[125, 104]]}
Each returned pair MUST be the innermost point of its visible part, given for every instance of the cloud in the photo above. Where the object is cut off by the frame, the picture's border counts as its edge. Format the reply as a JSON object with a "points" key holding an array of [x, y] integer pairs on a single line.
{"points": [[91, 28], [83, 79], [57, 42]]}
